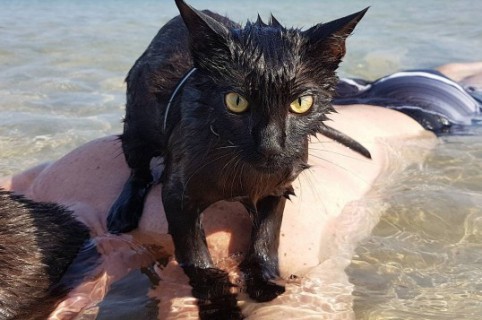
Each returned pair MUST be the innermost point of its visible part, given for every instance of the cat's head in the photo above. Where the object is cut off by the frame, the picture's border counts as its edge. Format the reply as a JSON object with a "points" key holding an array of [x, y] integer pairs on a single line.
{"points": [[267, 87]]}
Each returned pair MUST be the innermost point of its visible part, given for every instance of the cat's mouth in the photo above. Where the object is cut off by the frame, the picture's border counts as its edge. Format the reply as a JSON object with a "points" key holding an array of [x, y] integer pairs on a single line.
{"points": [[268, 167], [273, 164]]}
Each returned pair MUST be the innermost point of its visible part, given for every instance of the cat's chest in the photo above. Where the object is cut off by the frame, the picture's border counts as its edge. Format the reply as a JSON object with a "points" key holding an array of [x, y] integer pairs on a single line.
{"points": [[233, 179], [213, 170]]}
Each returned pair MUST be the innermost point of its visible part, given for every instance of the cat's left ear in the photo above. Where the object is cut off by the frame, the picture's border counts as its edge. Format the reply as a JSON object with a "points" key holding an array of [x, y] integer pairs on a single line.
{"points": [[208, 37], [327, 40]]}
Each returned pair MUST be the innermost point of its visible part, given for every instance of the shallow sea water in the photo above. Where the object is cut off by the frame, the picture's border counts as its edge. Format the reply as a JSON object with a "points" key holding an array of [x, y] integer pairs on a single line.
{"points": [[62, 65], [424, 258]]}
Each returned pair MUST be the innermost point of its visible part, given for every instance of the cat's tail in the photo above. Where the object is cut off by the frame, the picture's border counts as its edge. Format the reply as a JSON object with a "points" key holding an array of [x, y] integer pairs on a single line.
{"points": [[345, 140]]}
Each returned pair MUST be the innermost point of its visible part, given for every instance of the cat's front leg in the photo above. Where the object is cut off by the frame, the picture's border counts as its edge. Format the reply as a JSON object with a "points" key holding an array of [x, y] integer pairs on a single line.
{"points": [[126, 212], [261, 263], [211, 287]]}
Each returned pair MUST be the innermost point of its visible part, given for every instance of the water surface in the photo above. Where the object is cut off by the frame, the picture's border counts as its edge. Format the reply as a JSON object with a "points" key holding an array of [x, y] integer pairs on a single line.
{"points": [[62, 67]]}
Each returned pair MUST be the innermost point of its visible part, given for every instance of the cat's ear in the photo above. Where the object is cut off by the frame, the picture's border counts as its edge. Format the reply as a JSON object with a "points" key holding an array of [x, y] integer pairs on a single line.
{"points": [[208, 37], [327, 40]]}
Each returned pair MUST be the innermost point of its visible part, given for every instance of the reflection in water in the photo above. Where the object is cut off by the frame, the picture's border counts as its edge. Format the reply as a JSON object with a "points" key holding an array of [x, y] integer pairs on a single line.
{"points": [[135, 286], [424, 259]]}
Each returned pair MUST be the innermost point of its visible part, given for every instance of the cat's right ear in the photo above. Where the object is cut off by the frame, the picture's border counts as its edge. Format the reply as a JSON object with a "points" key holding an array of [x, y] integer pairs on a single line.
{"points": [[327, 40], [207, 37]]}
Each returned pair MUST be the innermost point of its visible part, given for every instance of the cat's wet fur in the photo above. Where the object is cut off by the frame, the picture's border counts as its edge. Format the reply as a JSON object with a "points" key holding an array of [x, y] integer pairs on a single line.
{"points": [[212, 153], [39, 242]]}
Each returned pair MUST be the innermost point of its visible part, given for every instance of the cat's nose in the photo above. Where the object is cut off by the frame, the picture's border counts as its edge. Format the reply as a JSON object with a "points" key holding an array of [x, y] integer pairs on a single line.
{"points": [[270, 140], [269, 148]]}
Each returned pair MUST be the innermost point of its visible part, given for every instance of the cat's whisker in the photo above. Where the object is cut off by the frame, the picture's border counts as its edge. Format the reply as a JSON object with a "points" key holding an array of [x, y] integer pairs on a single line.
{"points": [[226, 165], [341, 167], [226, 147], [236, 164], [213, 131], [229, 173], [343, 155], [307, 176], [232, 174], [199, 168], [241, 177]]}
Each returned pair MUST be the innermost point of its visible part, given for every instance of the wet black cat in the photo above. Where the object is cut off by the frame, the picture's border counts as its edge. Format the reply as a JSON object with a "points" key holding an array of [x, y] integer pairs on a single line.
{"points": [[230, 109]]}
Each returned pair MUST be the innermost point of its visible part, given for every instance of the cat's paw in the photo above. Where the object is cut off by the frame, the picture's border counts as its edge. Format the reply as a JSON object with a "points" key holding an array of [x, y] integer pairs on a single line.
{"points": [[220, 309], [263, 283], [126, 212], [262, 290], [215, 294]]}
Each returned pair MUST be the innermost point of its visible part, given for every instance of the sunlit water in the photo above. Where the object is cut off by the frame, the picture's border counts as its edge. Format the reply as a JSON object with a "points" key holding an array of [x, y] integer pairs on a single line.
{"points": [[62, 65], [424, 259]]}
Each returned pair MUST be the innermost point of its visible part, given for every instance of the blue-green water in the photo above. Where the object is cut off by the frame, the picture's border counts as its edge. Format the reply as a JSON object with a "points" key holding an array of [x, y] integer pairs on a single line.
{"points": [[63, 62], [62, 65]]}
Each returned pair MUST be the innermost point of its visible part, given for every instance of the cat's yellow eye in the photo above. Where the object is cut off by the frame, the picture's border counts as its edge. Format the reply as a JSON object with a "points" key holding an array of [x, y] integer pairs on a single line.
{"points": [[302, 104], [235, 102]]}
